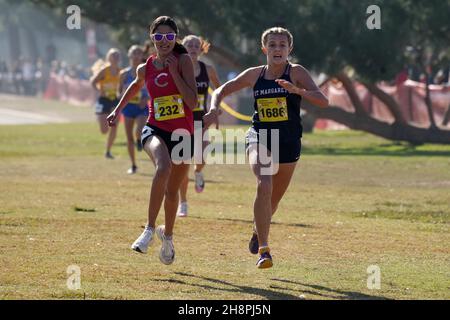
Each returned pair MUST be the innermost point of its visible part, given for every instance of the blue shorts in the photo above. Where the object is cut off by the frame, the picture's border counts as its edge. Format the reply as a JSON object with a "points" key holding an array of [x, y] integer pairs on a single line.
{"points": [[132, 110]]}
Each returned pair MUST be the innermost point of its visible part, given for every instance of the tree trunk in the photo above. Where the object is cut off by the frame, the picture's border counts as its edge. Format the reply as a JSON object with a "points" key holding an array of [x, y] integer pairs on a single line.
{"points": [[354, 98], [446, 117], [428, 101], [395, 131], [388, 101]]}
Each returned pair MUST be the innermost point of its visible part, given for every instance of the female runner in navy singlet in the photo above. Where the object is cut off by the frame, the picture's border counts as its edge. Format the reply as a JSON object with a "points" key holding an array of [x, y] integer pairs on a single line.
{"points": [[278, 89]]}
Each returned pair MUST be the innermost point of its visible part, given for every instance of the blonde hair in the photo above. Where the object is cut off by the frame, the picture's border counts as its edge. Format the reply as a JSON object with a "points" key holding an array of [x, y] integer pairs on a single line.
{"points": [[204, 44], [134, 48], [276, 30], [101, 63], [111, 52]]}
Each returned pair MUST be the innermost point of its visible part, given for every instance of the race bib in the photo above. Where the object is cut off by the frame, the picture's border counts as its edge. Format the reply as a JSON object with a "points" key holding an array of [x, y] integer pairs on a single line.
{"points": [[201, 103], [272, 109], [168, 108]]}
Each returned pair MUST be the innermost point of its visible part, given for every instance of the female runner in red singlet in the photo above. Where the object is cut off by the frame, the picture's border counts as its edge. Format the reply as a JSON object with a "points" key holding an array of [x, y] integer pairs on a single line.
{"points": [[170, 81]]}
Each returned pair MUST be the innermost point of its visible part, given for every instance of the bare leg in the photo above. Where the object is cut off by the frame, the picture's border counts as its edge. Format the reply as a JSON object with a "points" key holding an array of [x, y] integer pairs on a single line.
{"points": [[178, 173], [140, 123], [184, 187], [262, 208], [111, 136], [158, 152], [129, 123], [280, 182], [199, 167], [103, 124]]}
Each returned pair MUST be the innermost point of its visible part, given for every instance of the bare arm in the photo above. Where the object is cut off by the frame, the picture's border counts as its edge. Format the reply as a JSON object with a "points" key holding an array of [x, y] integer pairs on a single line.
{"points": [[304, 86], [96, 78], [212, 75], [130, 92], [245, 80], [121, 81], [185, 81]]}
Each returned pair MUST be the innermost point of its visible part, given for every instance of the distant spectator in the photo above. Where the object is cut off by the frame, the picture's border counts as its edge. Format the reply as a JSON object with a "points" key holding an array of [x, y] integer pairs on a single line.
{"points": [[3, 76], [401, 77], [28, 76], [17, 77], [442, 76], [50, 54]]}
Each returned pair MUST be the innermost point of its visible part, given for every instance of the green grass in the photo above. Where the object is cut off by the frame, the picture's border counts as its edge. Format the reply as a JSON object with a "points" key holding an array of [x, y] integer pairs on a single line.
{"points": [[355, 201]]}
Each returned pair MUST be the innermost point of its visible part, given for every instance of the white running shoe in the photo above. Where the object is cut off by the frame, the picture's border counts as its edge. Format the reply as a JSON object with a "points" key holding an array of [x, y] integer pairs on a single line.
{"points": [[167, 253], [183, 209], [199, 182], [144, 241]]}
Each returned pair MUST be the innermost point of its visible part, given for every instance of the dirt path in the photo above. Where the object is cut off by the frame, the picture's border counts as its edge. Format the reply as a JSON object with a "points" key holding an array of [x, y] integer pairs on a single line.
{"points": [[32, 110]]}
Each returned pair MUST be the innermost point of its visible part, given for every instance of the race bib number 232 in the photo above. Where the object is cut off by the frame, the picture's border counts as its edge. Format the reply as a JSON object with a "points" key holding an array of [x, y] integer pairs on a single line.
{"points": [[168, 107]]}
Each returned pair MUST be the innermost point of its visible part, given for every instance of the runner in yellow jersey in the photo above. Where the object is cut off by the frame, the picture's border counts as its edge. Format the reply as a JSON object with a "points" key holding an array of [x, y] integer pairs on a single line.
{"points": [[106, 82]]}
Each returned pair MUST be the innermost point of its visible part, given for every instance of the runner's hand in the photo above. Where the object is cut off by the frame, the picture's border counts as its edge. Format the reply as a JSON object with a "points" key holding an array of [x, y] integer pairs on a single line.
{"points": [[289, 86], [111, 119], [172, 63], [211, 117]]}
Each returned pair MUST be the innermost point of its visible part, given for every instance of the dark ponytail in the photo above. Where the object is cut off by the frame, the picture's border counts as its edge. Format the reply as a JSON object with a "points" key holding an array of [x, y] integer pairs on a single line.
{"points": [[170, 22], [179, 48]]}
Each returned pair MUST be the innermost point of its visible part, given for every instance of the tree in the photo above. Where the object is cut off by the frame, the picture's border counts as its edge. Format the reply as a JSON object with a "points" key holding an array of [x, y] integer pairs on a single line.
{"points": [[375, 55], [330, 36]]}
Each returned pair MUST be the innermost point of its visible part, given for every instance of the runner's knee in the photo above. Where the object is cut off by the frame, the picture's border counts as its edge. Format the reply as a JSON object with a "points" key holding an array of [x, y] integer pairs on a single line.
{"points": [[163, 169], [264, 186]]}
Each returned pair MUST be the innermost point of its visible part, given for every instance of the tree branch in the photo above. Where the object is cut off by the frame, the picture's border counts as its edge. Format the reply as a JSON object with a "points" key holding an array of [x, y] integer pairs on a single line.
{"points": [[395, 131], [354, 98], [388, 100]]}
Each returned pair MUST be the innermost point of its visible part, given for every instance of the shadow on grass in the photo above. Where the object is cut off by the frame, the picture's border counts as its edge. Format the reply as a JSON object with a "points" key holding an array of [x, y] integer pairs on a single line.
{"points": [[313, 290], [207, 181], [299, 225], [389, 149], [341, 294], [236, 288]]}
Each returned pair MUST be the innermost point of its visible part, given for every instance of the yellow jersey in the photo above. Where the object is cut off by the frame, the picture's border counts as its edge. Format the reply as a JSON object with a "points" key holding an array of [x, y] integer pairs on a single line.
{"points": [[109, 85]]}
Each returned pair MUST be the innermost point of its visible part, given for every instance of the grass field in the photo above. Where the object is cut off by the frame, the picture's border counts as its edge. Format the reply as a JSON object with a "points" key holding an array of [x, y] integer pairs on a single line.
{"points": [[355, 201]]}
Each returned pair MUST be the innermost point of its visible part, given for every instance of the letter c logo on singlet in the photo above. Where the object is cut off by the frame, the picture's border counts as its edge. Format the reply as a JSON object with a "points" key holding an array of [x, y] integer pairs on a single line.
{"points": [[161, 85]]}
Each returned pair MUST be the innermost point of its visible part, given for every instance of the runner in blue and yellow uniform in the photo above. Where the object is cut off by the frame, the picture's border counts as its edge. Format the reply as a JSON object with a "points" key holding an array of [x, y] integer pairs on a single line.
{"points": [[278, 89], [136, 111], [204, 76], [106, 82]]}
